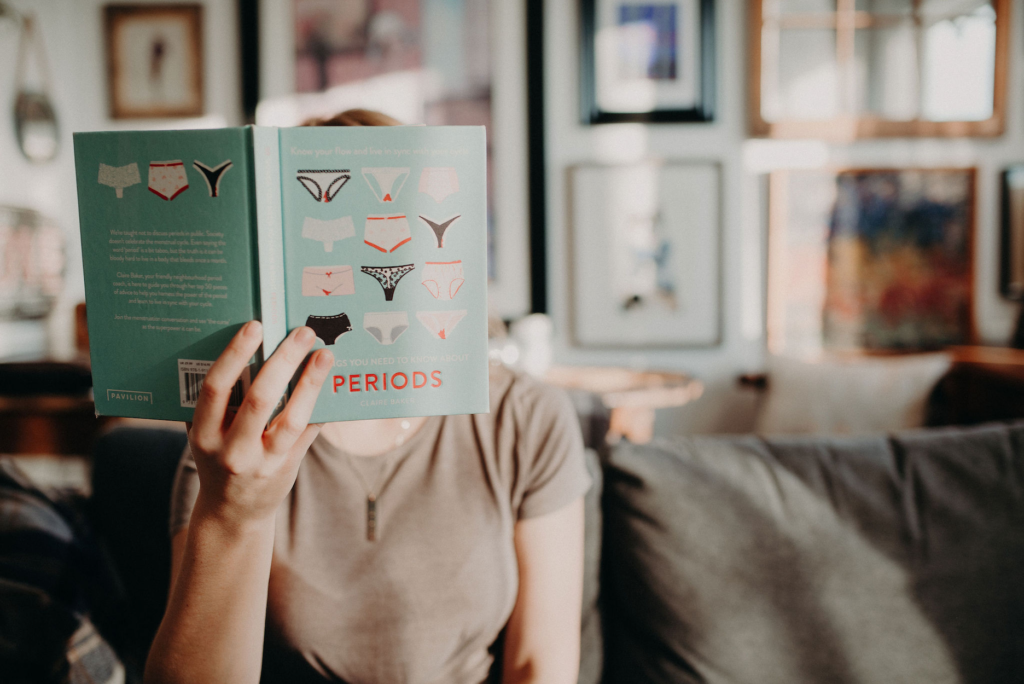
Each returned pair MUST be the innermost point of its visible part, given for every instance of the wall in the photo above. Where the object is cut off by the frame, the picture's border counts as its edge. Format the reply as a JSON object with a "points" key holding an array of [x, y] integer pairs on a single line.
{"points": [[744, 220], [72, 31]]}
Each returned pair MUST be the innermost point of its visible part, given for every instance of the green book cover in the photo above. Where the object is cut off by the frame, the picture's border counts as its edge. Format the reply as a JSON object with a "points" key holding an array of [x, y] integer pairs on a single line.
{"points": [[374, 237]]}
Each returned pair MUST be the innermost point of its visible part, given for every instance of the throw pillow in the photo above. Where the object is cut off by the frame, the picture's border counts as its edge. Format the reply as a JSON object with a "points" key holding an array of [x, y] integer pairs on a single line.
{"points": [[849, 395]]}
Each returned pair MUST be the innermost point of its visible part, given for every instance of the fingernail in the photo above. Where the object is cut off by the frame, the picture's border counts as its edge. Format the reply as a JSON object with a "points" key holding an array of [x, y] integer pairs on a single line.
{"points": [[324, 360], [252, 329], [304, 334]]}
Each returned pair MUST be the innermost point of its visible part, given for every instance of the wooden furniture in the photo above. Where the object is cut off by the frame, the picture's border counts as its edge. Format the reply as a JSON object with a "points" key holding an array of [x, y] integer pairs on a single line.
{"points": [[845, 69], [984, 384], [632, 396]]}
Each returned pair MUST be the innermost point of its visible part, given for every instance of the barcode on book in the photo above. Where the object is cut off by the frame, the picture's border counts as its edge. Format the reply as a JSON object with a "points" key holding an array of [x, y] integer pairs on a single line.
{"points": [[192, 374]]}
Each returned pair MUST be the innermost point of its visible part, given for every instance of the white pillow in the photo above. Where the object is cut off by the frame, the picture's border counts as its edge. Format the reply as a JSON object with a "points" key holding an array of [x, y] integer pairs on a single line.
{"points": [[849, 395]]}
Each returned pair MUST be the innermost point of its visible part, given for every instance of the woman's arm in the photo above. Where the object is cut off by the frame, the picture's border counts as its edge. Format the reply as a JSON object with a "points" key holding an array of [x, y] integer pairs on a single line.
{"points": [[212, 630], [542, 640]]}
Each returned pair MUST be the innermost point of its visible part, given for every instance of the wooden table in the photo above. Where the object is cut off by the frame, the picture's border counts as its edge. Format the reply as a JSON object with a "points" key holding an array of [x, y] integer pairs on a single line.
{"points": [[633, 396]]}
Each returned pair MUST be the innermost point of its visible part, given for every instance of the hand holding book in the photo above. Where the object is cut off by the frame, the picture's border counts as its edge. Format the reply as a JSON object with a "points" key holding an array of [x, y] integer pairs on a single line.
{"points": [[246, 467]]}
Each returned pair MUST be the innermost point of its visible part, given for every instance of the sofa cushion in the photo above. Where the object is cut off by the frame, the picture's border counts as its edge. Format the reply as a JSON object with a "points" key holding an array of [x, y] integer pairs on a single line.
{"points": [[816, 560]]}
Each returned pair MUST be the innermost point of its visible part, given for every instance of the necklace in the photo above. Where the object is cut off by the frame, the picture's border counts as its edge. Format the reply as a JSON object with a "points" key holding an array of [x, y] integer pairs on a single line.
{"points": [[375, 491]]}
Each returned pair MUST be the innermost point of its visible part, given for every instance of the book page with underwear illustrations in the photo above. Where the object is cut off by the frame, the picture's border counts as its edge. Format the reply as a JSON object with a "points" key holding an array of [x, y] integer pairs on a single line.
{"points": [[168, 257], [376, 238], [384, 243]]}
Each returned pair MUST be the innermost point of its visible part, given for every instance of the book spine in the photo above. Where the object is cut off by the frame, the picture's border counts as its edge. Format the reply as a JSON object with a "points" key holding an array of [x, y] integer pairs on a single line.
{"points": [[269, 236]]}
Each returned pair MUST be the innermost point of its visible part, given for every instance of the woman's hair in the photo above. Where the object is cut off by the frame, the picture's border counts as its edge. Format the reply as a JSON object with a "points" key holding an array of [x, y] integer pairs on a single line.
{"points": [[355, 117]]}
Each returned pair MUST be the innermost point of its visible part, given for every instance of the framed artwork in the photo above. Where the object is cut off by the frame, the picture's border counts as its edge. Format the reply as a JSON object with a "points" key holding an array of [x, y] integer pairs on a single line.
{"points": [[1011, 271], [647, 61], [870, 259], [646, 255], [877, 68], [421, 61], [154, 60]]}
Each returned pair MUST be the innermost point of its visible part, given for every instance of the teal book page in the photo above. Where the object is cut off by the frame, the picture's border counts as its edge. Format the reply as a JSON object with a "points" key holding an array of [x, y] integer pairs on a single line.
{"points": [[166, 221], [385, 258]]}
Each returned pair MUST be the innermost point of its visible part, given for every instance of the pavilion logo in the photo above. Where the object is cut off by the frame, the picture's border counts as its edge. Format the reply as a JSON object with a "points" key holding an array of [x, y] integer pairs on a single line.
{"points": [[129, 395]]}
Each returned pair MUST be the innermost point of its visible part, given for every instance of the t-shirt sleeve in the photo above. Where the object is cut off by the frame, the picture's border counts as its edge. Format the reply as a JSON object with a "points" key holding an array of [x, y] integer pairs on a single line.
{"points": [[552, 466], [184, 492]]}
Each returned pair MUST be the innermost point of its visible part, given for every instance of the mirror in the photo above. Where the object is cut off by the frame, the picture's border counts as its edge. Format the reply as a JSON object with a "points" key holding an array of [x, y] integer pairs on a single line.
{"points": [[870, 68], [35, 125], [35, 120]]}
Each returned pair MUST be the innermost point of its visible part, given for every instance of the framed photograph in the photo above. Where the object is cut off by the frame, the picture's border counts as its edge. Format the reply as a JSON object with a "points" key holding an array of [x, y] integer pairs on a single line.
{"points": [[646, 255], [460, 63], [154, 60], [1011, 271], [647, 61], [870, 259]]}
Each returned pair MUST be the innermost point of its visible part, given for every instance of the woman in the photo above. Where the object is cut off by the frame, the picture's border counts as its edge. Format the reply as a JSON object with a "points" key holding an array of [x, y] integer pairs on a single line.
{"points": [[441, 549]]}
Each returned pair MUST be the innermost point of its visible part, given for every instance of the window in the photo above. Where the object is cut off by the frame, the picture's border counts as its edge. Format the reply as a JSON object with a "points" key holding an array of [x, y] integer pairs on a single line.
{"points": [[872, 68]]}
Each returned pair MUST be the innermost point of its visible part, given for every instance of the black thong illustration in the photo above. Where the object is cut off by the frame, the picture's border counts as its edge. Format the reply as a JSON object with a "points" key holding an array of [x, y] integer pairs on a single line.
{"points": [[212, 176], [388, 277], [440, 228], [329, 328], [323, 185]]}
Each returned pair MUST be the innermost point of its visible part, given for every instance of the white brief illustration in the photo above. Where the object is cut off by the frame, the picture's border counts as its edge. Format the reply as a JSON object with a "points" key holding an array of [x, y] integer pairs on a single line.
{"points": [[443, 278], [119, 177], [440, 323], [327, 281], [386, 182], [439, 182], [167, 179], [328, 232], [386, 326], [387, 233]]}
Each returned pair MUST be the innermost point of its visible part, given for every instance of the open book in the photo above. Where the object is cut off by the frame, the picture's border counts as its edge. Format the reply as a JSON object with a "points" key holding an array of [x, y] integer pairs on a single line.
{"points": [[374, 237]]}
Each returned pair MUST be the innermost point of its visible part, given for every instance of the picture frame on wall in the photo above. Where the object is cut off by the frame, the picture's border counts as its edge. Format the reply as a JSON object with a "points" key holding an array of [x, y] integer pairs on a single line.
{"points": [[423, 61], [154, 60], [878, 260], [645, 252], [647, 62], [1011, 271]]}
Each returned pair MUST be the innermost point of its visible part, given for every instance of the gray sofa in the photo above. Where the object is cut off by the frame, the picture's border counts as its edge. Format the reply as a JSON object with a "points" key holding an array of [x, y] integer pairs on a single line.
{"points": [[741, 560], [724, 560]]}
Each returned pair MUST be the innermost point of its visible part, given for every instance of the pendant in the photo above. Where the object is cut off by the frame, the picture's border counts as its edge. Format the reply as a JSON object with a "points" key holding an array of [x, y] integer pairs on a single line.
{"points": [[371, 518]]}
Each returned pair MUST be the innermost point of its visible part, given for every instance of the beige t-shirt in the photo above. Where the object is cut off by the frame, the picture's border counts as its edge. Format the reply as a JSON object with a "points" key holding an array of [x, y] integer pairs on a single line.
{"points": [[427, 599]]}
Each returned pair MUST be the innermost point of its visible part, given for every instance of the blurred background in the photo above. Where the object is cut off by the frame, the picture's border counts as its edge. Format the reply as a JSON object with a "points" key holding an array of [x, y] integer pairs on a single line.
{"points": [[708, 201]]}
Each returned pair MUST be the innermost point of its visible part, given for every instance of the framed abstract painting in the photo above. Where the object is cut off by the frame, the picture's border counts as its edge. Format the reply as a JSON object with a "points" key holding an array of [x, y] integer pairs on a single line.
{"points": [[870, 259]]}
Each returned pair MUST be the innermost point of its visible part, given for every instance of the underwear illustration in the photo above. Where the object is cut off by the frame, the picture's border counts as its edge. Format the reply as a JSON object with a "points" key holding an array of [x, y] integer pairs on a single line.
{"points": [[440, 228], [388, 277], [382, 181], [167, 179], [323, 185], [441, 323], [328, 232], [386, 326], [212, 176], [325, 281], [443, 278], [387, 233], [329, 328], [439, 182], [119, 177]]}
